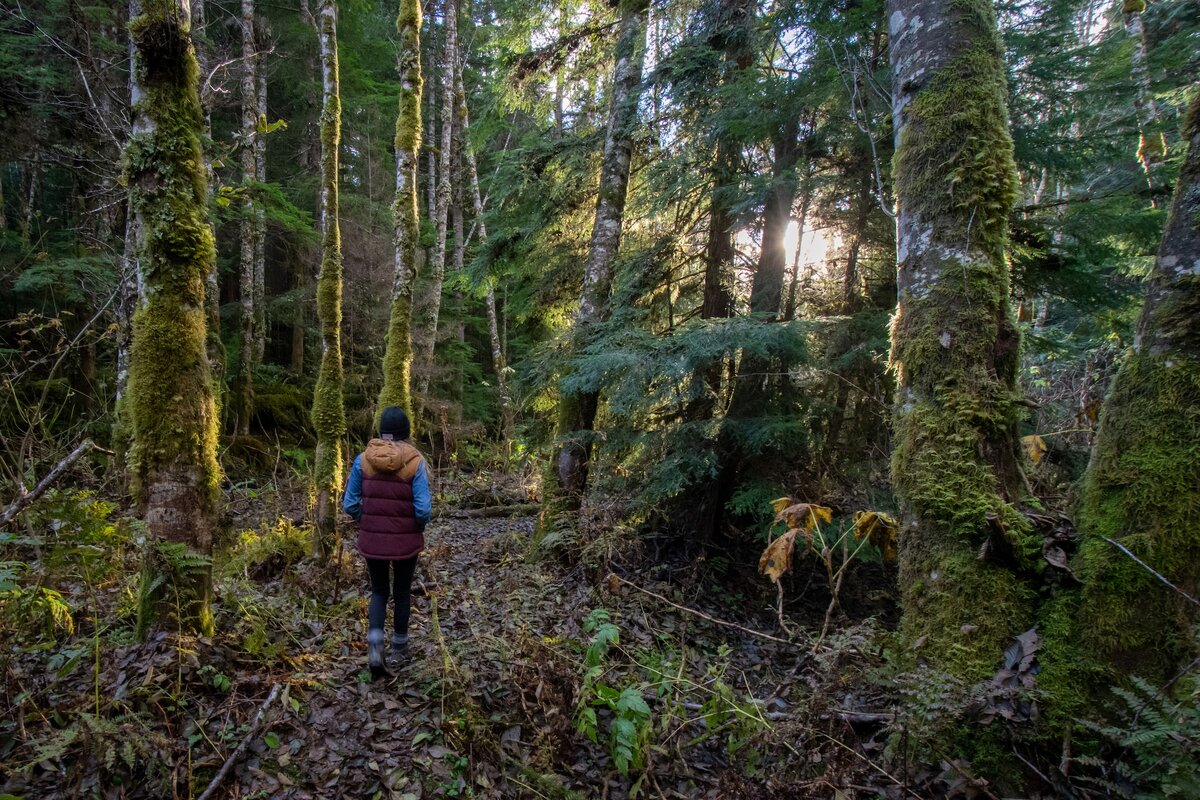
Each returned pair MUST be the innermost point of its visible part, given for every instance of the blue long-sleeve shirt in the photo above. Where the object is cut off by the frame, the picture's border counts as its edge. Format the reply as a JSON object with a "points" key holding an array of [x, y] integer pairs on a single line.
{"points": [[422, 500]]}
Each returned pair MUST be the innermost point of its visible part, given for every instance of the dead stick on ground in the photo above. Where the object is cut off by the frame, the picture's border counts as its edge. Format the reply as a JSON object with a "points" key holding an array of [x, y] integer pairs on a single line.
{"points": [[701, 614], [25, 498], [219, 778]]}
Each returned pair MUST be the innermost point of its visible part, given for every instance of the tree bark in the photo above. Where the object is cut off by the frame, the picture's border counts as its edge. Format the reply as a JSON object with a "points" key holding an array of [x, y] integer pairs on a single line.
{"points": [[731, 34], [955, 347], [1141, 488], [246, 282], [577, 409], [398, 355], [1152, 146], [260, 214], [329, 410], [174, 417], [425, 333], [212, 281]]}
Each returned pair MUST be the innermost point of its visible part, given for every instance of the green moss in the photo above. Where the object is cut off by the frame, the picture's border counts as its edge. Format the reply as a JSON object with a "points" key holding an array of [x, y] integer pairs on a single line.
{"points": [[397, 359], [956, 148], [963, 610], [1070, 676], [1141, 491], [1133, 7]]}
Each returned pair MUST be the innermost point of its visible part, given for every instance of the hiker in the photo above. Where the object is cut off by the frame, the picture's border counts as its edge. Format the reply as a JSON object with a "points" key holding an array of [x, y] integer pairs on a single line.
{"points": [[388, 495]]}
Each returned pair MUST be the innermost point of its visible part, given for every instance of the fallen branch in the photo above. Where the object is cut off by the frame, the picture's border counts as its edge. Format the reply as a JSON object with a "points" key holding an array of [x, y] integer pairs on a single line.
{"points": [[701, 614], [522, 509], [219, 778], [24, 498]]}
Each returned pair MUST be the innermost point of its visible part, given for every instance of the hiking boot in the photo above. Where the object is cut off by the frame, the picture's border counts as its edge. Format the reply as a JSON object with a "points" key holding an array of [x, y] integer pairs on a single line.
{"points": [[375, 654], [400, 646]]}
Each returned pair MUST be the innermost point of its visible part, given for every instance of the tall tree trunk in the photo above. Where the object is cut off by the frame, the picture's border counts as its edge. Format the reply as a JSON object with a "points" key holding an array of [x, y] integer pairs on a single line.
{"points": [[329, 408], [955, 347], [731, 32], [398, 355], [851, 301], [507, 424], [425, 333], [212, 281], [577, 409], [260, 214], [245, 404], [751, 390], [789, 306], [170, 397], [1141, 490], [1152, 146]]}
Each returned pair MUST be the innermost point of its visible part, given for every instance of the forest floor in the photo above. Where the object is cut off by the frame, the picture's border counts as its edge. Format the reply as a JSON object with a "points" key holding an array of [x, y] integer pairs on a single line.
{"points": [[527, 678]]}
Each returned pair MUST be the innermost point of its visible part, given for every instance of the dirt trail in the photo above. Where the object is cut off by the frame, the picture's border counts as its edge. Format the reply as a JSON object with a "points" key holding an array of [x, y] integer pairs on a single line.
{"points": [[354, 738]]}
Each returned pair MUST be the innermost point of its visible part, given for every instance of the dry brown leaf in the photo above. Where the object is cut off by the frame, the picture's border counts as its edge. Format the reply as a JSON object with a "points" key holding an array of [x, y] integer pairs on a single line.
{"points": [[780, 503], [776, 560], [1035, 448], [880, 528], [805, 516]]}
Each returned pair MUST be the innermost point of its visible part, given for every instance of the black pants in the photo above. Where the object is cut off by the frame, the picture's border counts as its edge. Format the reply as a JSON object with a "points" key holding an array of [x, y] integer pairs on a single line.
{"points": [[399, 587]]}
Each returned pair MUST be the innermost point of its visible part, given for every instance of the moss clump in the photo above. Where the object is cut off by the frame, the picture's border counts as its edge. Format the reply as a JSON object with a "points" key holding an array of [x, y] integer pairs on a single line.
{"points": [[1133, 7], [1141, 491]]}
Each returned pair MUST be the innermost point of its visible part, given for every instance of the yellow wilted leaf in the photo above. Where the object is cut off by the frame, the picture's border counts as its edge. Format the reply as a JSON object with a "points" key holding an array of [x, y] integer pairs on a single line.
{"points": [[880, 528], [780, 503], [777, 558], [805, 516], [1035, 448]]}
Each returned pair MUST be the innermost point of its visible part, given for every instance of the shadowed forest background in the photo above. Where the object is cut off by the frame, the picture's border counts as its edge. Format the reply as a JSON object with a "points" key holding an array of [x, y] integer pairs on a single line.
{"points": [[810, 391]]}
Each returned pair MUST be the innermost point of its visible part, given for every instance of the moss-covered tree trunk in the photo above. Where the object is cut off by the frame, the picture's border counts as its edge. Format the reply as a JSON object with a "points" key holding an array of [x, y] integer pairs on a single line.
{"points": [[171, 406], [329, 411], [955, 347], [398, 356], [245, 383], [565, 486], [260, 213], [212, 282], [426, 318], [1142, 490]]}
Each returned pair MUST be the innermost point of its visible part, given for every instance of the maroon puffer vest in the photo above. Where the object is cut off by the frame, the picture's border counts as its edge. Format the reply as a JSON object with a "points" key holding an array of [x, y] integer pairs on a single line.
{"points": [[388, 528]]}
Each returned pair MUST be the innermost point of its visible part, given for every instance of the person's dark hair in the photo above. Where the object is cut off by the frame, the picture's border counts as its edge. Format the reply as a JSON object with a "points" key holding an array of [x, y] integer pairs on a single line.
{"points": [[393, 423]]}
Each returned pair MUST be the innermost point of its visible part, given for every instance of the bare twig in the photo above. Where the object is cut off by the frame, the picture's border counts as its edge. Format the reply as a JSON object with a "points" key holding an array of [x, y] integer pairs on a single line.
{"points": [[219, 778], [701, 614], [24, 498], [1152, 571]]}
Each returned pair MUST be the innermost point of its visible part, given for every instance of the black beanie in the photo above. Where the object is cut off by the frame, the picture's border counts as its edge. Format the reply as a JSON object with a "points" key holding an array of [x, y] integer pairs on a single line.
{"points": [[393, 424]]}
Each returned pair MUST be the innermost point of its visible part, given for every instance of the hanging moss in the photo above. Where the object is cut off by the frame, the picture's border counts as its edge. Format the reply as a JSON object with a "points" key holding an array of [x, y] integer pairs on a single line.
{"points": [[170, 402]]}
